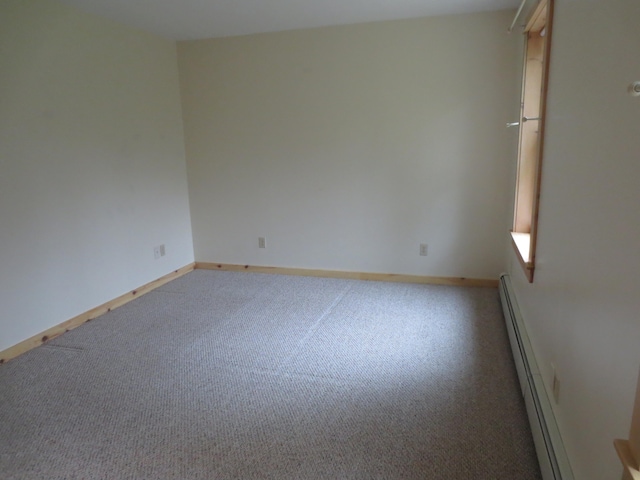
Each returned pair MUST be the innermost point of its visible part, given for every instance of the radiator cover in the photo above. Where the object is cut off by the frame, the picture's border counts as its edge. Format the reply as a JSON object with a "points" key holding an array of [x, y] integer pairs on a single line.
{"points": [[552, 457]]}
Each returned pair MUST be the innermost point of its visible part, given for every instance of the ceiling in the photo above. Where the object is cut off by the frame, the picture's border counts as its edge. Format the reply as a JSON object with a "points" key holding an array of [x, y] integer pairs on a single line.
{"points": [[194, 19]]}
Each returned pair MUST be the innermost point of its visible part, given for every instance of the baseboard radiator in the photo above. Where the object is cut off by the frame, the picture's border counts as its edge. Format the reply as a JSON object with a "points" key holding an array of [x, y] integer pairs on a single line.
{"points": [[552, 457]]}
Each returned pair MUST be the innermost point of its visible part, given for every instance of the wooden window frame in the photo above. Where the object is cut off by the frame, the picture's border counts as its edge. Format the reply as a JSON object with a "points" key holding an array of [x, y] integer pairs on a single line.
{"points": [[535, 77], [629, 450]]}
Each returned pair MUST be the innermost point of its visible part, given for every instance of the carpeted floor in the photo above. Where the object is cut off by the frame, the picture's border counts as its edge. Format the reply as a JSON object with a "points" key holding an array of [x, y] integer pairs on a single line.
{"points": [[221, 375]]}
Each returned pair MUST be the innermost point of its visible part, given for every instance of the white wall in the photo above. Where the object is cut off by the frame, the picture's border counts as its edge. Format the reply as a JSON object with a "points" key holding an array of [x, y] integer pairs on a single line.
{"points": [[582, 310], [92, 164], [347, 147]]}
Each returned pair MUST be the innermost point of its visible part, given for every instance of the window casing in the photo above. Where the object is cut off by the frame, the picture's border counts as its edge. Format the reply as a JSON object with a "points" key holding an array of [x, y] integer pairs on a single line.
{"points": [[531, 135]]}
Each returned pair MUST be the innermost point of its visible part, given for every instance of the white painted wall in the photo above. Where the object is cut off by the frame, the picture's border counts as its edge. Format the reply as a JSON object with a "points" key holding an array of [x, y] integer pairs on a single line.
{"points": [[582, 310], [92, 168], [347, 147]]}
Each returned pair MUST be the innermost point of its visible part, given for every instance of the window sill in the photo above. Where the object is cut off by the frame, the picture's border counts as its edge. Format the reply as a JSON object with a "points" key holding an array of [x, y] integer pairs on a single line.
{"points": [[522, 245]]}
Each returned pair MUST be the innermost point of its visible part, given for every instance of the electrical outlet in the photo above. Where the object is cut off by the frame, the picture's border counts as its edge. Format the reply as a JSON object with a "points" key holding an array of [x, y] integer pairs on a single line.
{"points": [[262, 242], [158, 251], [555, 384], [423, 249]]}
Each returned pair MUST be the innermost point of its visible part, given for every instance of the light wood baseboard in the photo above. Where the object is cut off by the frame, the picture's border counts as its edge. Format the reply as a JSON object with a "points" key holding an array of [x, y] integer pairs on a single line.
{"points": [[78, 320], [380, 277], [629, 463]]}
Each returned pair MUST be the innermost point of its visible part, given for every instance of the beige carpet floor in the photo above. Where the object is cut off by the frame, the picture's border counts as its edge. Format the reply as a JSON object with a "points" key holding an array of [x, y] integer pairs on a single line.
{"points": [[221, 375]]}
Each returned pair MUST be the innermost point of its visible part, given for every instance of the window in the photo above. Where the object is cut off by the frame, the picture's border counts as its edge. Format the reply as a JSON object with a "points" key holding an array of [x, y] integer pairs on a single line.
{"points": [[532, 111]]}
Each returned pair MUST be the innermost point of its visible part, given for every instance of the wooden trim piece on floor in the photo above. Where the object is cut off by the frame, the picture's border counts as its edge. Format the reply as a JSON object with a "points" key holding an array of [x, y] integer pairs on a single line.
{"points": [[629, 463], [78, 320], [380, 277], [629, 450]]}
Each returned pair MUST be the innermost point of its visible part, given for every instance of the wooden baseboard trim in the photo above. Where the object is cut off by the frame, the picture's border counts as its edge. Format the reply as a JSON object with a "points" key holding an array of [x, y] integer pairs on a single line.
{"points": [[380, 277], [629, 462], [92, 314]]}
